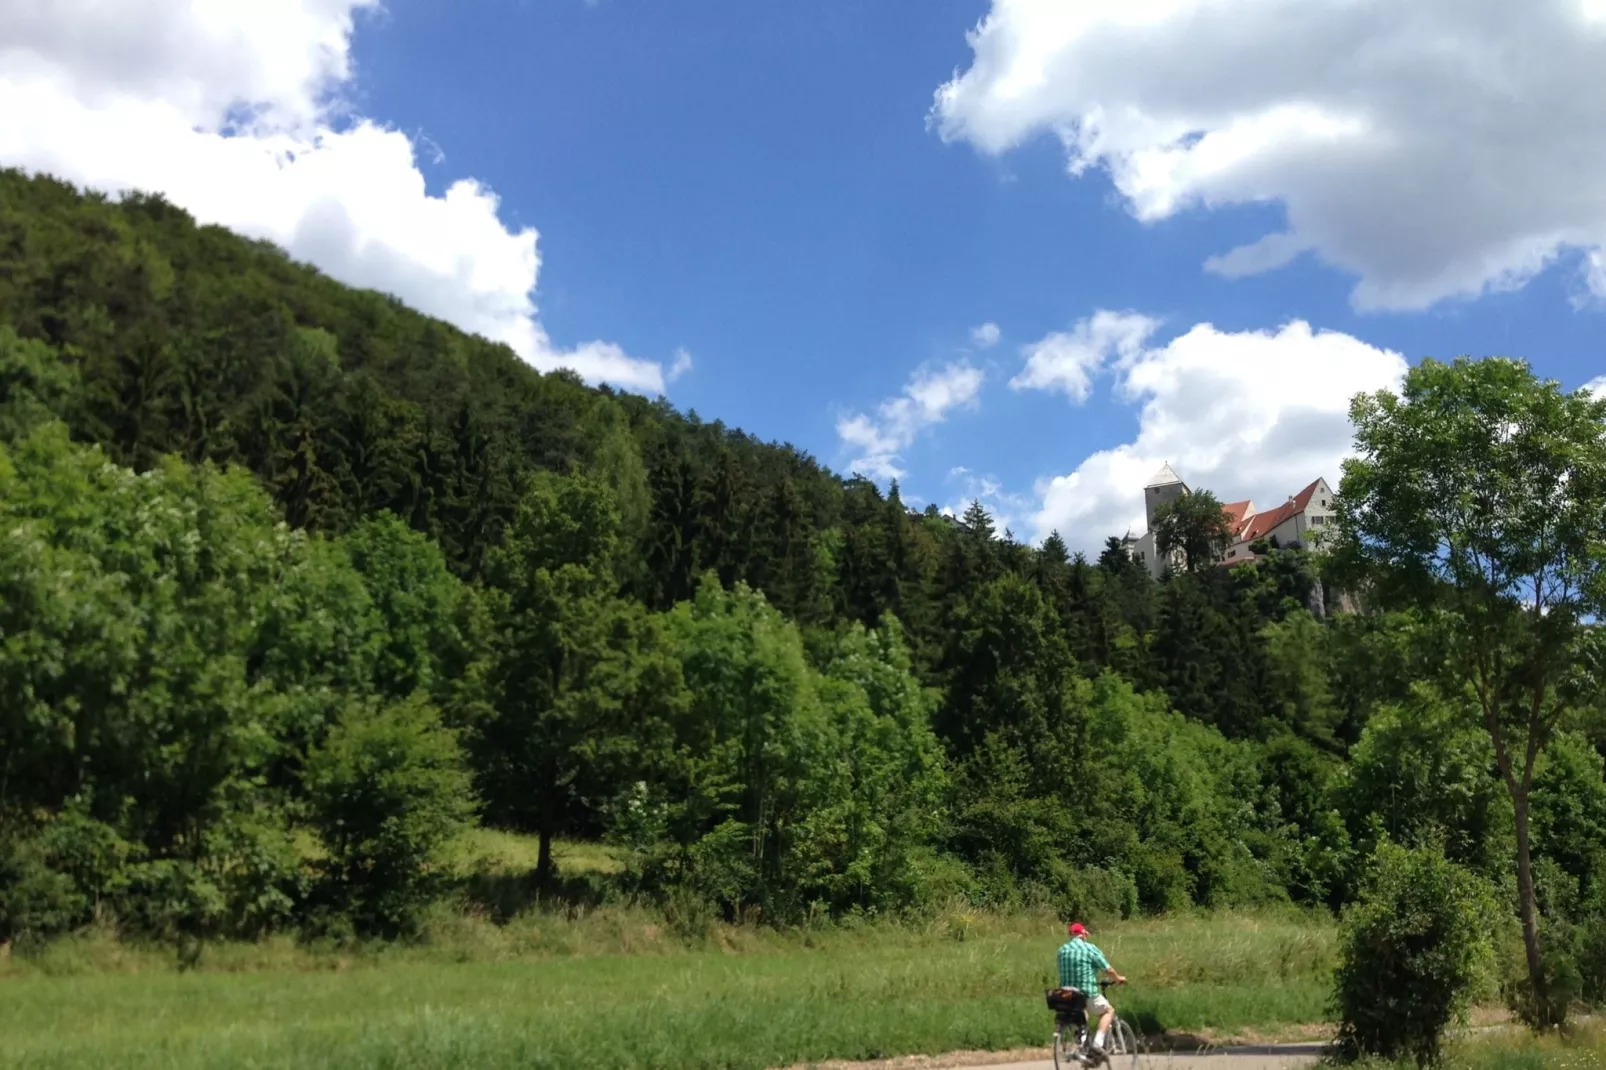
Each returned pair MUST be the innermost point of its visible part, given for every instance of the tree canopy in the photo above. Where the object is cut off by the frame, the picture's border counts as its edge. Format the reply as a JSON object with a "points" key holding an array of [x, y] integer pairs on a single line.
{"points": [[1479, 498]]}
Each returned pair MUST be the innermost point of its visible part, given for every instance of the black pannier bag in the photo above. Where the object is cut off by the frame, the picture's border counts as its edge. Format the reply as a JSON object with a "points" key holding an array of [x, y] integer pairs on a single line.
{"points": [[1066, 1002]]}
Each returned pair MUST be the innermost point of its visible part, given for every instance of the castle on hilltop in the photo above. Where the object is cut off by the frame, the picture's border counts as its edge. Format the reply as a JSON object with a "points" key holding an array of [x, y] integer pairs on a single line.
{"points": [[1298, 521]]}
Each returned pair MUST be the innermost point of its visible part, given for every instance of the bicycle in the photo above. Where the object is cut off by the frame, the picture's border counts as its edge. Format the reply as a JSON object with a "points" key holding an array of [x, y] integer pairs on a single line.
{"points": [[1073, 1043]]}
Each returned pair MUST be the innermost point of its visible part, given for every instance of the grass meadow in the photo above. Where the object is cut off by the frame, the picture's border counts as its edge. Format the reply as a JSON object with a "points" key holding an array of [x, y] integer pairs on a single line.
{"points": [[618, 987], [1581, 1047]]}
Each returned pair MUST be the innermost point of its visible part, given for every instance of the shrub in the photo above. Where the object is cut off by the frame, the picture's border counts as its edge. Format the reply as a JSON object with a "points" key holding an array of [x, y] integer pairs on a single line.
{"points": [[251, 857], [1561, 945], [388, 792], [1412, 951], [1591, 957], [1093, 893], [36, 901], [171, 900], [58, 874]]}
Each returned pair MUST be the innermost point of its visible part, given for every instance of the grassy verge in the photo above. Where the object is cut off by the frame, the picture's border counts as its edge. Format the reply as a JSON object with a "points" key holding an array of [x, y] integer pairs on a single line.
{"points": [[1581, 1047], [487, 997]]}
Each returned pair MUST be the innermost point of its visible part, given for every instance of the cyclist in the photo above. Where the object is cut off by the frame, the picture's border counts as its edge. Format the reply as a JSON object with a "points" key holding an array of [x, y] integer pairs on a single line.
{"points": [[1080, 963]]}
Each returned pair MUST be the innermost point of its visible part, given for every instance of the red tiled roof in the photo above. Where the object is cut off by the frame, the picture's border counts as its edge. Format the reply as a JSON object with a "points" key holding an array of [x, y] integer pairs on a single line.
{"points": [[1237, 513], [1261, 523]]}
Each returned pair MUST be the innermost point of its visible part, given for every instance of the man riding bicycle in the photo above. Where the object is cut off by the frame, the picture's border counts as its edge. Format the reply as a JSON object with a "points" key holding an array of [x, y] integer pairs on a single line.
{"points": [[1080, 963]]}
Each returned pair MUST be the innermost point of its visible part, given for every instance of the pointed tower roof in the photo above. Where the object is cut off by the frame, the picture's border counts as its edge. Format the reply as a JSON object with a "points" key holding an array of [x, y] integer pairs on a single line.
{"points": [[1165, 477]]}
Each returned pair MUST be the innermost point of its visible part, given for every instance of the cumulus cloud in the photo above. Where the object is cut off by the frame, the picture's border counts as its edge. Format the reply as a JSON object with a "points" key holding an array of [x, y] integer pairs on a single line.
{"points": [[1257, 414], [986, 336], [1008, 511], [1066, 361], [927, 399], [1433, 148], [234, 111], [1597, 386]]}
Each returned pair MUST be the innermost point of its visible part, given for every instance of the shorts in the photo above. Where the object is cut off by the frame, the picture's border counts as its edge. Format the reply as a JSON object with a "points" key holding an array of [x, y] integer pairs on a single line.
{"points": [[1098, 1006]]}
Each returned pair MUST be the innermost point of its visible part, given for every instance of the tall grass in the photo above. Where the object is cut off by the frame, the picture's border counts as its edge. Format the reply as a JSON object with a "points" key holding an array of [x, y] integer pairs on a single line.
{"points": [[615, 989], [503, 981], [1582, 1047]]}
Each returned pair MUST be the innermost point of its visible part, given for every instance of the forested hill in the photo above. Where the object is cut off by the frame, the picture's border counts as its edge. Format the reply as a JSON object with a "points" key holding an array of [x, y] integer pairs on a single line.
{"points": [[193, 341], [349, 563]]}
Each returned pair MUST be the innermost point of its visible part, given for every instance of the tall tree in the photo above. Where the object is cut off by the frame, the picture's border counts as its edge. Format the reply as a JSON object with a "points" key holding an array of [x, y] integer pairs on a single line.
{"points": [[575, 663], [1195, 526], [1479, 495]]}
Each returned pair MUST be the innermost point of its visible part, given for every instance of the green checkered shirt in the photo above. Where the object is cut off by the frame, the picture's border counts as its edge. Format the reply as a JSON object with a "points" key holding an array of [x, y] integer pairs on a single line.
{"points": [[1080, 963]]}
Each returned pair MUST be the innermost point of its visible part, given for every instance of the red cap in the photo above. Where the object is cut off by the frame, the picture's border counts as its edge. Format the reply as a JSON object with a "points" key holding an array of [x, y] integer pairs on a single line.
{"points": [[1077, 929]]}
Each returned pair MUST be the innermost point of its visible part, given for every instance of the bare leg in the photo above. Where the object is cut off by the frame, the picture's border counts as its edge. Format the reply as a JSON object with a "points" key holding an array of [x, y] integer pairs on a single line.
{"points": [[1104, 1027]]}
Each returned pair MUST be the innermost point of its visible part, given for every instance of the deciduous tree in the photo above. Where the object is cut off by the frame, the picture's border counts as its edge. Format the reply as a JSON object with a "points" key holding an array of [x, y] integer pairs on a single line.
{"points": [[1479, 495]]}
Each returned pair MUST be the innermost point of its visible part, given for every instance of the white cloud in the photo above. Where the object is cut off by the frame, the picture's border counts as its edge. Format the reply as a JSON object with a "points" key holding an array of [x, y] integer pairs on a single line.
{"points": [[1008, 511], [681, 366], [1066, 361], [1432, 147], [1257, 414], [927, 399], [233, 111], [985, 336], [1597, 385]]}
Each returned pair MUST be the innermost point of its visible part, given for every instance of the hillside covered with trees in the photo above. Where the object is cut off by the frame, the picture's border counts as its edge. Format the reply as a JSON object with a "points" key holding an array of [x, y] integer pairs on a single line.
{"points": [[296, 582]]}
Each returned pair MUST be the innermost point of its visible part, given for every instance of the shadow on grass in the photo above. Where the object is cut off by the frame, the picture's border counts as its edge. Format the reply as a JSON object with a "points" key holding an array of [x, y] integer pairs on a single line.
{"points": [[503, 896], [1154, 1036]]}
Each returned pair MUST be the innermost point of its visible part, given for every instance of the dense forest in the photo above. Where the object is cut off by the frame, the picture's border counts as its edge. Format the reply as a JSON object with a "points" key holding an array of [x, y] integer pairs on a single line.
{"points": [[295, 582]]}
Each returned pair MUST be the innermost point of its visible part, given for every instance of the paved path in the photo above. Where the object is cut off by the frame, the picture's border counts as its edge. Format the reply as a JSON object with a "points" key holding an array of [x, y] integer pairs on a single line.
{"points": [[1275, 1057]]}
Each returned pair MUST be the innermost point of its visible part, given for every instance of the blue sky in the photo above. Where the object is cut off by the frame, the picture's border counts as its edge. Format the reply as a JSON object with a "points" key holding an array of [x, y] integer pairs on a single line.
{"points": [[770, 190]]}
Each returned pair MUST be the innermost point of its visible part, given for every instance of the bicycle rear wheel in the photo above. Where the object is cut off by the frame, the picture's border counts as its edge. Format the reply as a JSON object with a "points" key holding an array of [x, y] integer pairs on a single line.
{"points": [[1062, 1048], [1123, 1046], [1066, 1045]]}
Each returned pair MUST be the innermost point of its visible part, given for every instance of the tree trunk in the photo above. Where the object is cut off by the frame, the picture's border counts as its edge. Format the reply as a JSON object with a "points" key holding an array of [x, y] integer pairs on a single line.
{"points": [[543, 861], [1526, 904]]}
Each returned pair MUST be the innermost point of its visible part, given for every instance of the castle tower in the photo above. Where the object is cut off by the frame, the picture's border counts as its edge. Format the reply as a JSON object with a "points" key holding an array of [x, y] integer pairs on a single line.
{"points": [[1163, 489]]}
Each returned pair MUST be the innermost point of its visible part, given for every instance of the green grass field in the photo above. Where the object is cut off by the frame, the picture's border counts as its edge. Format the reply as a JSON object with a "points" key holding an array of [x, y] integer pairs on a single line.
{"points": [[528, 995], [619, 987], [1582, 1047]]}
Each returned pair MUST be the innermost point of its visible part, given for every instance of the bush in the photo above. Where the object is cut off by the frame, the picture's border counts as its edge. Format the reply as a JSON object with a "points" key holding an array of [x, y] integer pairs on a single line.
{"points": [[1564, 982], [1412, 951], [388, 792], [36, 902], [1092, 893], [58, 874], [1591, 958], [251, 857], [171, 900]]}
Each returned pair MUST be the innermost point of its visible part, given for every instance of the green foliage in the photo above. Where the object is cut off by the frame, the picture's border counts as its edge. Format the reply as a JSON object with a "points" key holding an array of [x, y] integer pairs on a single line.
{"points": [[35, 385], [386, 791], [1569, 827], [1299, 674], [1421, 775], [784, 788], [129, 609], [416, 602], [1477, 499], [579, 680], [1411, 952], [1194, 527]]}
